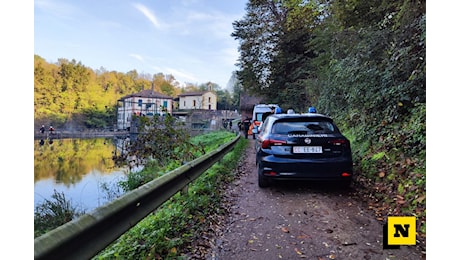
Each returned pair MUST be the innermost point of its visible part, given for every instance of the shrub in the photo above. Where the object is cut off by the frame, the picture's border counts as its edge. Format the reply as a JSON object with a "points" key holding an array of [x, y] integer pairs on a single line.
{"points": [[53, 213]]}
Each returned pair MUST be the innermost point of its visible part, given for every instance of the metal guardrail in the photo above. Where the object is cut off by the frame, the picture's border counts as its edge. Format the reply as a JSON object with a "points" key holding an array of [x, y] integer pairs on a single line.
{"points": [[86, 236]]}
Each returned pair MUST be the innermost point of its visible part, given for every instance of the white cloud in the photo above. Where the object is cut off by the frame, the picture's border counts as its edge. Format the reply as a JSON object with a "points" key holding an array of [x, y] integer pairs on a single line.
{"points": [[149, 14], [185, 76], [137, 57], [189, 39], [218, 24]]}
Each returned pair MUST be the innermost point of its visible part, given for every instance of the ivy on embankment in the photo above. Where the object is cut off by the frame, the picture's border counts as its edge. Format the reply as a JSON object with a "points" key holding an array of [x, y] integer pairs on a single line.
{"points": [[390, 167]]}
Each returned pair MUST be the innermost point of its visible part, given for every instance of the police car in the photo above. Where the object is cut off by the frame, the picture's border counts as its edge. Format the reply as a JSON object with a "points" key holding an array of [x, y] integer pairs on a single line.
{"points": [[302, 147]]}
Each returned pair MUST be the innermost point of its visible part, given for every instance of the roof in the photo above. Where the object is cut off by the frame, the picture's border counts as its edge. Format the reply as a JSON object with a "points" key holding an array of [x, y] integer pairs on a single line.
{"points": [[266, 105], [309, 115], [147, 93], [198, 93]]}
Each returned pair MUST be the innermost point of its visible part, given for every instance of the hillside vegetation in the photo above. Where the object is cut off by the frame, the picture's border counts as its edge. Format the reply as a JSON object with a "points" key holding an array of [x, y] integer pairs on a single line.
{"points": [[364, 64], [71, 96]]}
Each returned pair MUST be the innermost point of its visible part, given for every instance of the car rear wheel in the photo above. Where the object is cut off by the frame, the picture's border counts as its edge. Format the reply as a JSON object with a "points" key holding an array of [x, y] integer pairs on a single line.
{"points": [[263, 181]]}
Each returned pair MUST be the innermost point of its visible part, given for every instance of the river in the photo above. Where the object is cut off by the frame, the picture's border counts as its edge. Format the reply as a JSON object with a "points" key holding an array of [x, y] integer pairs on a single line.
{"points": [[81, 169]]}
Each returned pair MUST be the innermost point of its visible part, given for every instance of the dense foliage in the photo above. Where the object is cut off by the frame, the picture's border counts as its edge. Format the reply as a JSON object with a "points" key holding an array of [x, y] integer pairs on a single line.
{"points": [[361, 62], [163, 144]]}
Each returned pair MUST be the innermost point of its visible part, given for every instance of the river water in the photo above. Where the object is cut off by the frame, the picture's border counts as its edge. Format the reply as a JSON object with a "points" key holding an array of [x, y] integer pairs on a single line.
{"points": [[81, 169]]}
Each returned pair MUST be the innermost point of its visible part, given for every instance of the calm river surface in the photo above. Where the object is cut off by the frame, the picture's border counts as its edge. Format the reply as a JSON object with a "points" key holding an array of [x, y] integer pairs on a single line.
{"points": [[81, 169]]}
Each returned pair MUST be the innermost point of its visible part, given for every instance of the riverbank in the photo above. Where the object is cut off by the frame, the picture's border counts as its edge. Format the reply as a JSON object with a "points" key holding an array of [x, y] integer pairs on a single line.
{"points": [[80, 134], [101, 133]]}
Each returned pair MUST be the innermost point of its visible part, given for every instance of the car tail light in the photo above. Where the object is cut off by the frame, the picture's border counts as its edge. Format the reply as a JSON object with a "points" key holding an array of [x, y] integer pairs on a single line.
{"points": [[266, 144], [341, 142], [345, 174], [270, 173]]}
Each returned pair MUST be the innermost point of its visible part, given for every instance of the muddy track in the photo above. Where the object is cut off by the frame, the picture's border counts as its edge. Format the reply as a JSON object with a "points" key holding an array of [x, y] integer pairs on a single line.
{"points": [[297, 220]]}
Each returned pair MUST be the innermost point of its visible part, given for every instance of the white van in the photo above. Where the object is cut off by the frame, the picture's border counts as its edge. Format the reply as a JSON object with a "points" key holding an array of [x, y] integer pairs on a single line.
{"points": [[257, 113]]}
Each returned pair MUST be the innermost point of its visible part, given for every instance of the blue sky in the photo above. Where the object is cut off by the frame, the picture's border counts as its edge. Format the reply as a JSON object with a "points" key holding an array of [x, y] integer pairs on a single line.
{"points": [[189, 39]]}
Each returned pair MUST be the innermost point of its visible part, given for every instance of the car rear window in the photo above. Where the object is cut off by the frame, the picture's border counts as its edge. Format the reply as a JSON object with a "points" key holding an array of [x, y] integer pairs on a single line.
{"points": [[258, 117], [311, 127]]}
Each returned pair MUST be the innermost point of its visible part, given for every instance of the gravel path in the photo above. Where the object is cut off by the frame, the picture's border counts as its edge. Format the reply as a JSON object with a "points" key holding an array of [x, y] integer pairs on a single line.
{"points": [[295, 221]]}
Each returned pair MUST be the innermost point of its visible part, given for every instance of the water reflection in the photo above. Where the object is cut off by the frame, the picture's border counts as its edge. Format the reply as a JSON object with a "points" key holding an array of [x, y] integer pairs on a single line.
{"points": [[78, 168]]}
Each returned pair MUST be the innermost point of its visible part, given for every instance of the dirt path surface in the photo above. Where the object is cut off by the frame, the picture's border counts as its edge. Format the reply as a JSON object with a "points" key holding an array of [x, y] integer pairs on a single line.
{"points": [[297, 220]]}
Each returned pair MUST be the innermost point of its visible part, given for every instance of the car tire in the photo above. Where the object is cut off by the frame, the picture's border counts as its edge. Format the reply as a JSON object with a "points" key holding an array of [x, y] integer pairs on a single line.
{"points": [[263, 181]]}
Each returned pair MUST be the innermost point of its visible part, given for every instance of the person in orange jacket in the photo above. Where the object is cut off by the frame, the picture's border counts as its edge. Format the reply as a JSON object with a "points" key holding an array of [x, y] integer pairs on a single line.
{"points": [[250, 129]]}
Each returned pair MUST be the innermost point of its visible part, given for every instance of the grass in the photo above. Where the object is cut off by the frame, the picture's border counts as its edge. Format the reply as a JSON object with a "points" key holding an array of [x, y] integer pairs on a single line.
{"points": [[167, 233], [53, 213]]}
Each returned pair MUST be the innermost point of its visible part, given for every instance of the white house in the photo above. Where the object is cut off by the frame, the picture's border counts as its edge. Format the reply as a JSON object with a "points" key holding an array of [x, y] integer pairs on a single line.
{"points": [[205, 100], [144, 103]]}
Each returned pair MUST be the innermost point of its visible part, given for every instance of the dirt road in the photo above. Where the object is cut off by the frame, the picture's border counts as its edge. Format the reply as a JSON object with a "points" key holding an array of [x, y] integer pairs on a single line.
{"points": [[298, 220]]}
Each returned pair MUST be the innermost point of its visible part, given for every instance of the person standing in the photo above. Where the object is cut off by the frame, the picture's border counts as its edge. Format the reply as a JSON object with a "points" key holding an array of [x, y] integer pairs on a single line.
{"points": [[42, 129], [51, 130], [246, 124]]}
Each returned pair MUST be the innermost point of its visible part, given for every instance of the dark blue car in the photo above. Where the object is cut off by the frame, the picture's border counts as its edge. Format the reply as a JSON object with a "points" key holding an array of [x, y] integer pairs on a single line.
{"points": [[302, 147]]}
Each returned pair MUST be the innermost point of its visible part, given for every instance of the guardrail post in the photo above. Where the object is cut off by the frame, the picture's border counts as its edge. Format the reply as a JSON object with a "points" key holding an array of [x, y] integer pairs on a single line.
{"points": [[184, 190]]}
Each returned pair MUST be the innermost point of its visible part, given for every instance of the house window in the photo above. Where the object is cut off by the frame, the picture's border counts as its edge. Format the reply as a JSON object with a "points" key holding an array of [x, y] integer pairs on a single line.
{"points": [[194, 103], [165, 104], [184, 104], [139, 103], [209, 99]]}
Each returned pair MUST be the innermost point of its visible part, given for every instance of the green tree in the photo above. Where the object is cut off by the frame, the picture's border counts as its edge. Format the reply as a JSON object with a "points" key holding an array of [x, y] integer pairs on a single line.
{"points": [[165, 84], [161, 140], [363, 63], [258, 33], [275, 50]]}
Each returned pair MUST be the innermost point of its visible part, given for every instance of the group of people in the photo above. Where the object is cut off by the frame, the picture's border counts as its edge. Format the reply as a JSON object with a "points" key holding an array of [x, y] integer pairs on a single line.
{"points": [[227, 123], [50, 137], [50, 129], [246, 125]]}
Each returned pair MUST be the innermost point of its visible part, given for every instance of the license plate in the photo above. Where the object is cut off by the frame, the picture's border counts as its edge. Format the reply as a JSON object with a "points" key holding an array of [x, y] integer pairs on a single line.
{"points": [[307, 149]]}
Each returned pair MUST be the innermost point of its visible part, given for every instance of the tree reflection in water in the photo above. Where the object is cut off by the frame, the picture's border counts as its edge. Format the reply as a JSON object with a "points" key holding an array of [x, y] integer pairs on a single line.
{"points": [[82, 169]]}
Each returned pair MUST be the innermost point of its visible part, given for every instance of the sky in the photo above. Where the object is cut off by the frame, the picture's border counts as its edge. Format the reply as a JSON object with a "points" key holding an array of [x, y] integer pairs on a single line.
{"points": [[189, 39]]}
